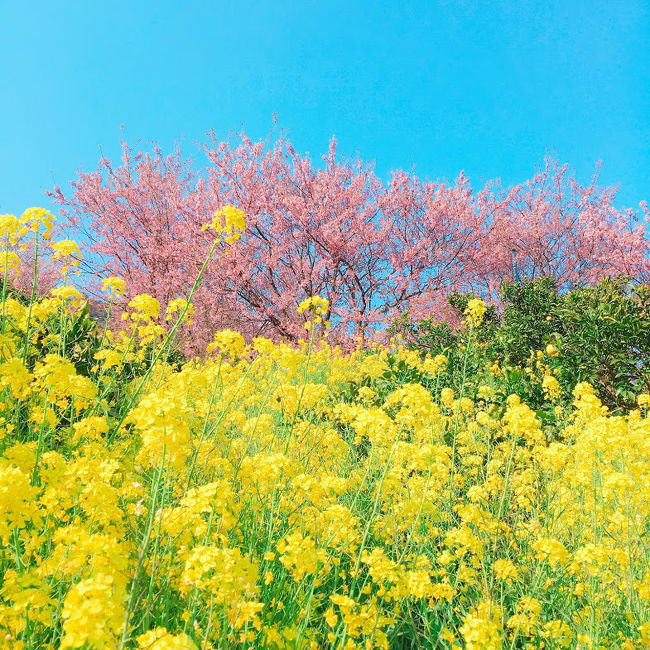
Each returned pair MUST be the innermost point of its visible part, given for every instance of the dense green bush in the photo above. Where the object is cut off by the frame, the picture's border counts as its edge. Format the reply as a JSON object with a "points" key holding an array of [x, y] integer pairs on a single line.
{"points": [[599, 334]]}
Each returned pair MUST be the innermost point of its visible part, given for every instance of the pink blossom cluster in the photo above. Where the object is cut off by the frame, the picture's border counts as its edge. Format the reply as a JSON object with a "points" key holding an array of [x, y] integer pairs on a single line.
{"points": [[374, 249]]}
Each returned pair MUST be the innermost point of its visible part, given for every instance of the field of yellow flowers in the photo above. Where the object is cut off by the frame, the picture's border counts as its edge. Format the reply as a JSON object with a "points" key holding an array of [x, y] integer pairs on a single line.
{"points": [[277, 496]]}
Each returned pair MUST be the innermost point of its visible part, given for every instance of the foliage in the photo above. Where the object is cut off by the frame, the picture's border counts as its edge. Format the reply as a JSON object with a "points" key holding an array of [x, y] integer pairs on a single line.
{"points": [[599, 334], [530, 317], [605, 339]]}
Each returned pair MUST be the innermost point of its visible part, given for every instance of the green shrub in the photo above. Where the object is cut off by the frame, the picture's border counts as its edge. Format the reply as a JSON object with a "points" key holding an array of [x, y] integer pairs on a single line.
{"points": [[599, 334]]}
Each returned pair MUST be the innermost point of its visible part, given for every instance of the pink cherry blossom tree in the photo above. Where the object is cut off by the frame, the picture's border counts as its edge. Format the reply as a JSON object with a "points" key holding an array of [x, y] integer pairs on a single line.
{"points": [[556, 227], [374, 249]]}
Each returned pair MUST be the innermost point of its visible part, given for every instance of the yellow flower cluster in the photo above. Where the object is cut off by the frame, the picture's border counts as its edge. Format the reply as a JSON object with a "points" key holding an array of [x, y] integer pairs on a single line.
{"points": [[228, 343], [316, 307], [12, 233], [68, 251], [228, 220], [113, 285], [93, 613], [475, 311], [314, 304], [37, 219], [280, 496], [11, 229]]}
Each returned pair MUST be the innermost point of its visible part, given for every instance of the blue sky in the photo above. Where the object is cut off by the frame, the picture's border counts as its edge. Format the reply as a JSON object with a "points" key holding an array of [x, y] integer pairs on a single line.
{"points": [[484, 87]]}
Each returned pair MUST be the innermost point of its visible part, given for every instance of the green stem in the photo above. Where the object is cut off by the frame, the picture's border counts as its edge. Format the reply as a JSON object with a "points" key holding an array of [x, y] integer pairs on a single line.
{"points": [[31, 300], [164, 345], [302, 390], [142, 552], [4, 285], [456, 416]]}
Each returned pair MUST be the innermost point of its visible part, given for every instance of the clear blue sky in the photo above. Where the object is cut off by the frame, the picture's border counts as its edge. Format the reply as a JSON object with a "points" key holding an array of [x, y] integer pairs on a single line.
{"points": [[485, 87]]}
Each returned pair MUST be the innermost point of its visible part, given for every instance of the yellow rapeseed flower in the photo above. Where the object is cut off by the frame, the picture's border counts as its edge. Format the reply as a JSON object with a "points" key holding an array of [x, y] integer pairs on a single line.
{"points": [[114, 285], [228, 220]]}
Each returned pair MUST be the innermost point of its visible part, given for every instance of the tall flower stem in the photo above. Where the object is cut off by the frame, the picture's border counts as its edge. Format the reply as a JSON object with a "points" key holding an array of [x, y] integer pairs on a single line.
{"points": [[164, 344], [31, 300]]}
